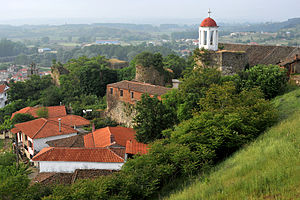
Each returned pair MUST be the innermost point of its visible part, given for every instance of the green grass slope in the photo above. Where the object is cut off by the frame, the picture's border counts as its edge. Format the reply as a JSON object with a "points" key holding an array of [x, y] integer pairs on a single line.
{"points": [[268, 168]]}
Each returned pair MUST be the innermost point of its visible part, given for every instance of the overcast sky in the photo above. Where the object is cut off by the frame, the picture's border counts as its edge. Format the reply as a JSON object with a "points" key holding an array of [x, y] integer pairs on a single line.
{"points": [[139, 11]]}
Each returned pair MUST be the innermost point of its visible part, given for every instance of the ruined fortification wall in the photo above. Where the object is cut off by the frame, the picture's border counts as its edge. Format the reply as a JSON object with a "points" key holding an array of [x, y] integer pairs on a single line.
{"points": [[233, 62], [228, 62], [56, 72], [150, 75], [122, 113]]}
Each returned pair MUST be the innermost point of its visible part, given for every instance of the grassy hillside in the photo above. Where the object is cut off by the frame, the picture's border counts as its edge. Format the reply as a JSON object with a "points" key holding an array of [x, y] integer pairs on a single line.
{"points": [[268, 168]]}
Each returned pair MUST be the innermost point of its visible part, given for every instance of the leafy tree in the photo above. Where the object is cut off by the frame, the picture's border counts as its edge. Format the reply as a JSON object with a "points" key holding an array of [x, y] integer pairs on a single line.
{"points": [[45, 39], [42, 112], [151, 119], [271, 79], [51, 96], [175, 63], [21, 117], [29, 90]]}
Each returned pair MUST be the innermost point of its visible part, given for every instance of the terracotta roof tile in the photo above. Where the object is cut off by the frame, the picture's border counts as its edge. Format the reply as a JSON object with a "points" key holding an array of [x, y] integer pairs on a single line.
{"points": [[109, 136], [72, 120], [134, 147], [42, 128], [140, 87], [53, 111], [2, 88], [73, 141], [78, 155]]}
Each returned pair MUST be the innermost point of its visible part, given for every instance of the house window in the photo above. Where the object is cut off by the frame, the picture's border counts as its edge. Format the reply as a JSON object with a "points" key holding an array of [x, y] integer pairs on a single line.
{"points": [[131, 95], [26, 137], [30, 144], [212, 38], [111, 90], [121, 93]]}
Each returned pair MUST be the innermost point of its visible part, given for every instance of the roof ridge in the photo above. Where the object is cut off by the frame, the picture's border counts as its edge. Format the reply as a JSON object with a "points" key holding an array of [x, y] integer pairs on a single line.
{"points": [[45, 122], [115, 153]]}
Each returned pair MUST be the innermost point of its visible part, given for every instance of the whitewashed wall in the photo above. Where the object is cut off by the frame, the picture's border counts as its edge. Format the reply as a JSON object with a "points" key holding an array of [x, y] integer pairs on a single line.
{"points": [[39, 144], [70, 167]]}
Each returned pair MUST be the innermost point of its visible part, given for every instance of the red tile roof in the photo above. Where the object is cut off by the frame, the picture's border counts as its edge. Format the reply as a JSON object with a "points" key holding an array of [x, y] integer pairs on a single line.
{"points": [[42, 128], [208, 22], [72, 120], [140, 87], [109, 136], [53, 111], [78, 155], [134, 147], [2, 88]]}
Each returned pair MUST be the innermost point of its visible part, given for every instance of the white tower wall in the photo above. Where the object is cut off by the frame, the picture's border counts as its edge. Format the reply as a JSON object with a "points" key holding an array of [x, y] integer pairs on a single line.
{"points": [[208, 38]]}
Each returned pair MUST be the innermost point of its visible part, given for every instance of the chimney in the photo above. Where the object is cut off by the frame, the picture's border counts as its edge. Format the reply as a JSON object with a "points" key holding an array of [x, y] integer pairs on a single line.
{"points": [[59, 124], [60, 103]]}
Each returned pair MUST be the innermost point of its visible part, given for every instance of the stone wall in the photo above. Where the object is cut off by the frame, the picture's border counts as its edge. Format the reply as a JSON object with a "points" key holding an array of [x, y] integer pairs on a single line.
{"points": [[233, 62], [149, 75], [122, 113], [117, 64], [228, 62]]}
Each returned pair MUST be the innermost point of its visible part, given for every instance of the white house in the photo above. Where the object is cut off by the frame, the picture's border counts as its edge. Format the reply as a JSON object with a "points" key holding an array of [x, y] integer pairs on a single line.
{"points": [[33, 135], [67, 160], [3, 95]]}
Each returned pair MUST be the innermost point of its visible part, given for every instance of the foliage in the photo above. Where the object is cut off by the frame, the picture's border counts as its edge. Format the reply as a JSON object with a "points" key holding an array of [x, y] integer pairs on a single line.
{"points": [[42, 112], [270, 78], [226, 120], [7, 111], [103, 122], [87, 76], [21, 117], [152, 118], [265, 169], [176, 64], [7, 124], [13, 178], [193, 86], [30, 90], [51, 96]]}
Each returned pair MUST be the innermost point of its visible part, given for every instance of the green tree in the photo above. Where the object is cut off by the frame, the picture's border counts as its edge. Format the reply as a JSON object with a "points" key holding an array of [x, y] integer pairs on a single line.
{"points": [[42, 112], [175, 63], [151, 119], [271, 79], [21, 117]]}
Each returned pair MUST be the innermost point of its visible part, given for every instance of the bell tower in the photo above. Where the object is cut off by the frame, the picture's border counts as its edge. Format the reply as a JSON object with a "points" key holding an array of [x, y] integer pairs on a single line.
{"points": [[208, 34]]}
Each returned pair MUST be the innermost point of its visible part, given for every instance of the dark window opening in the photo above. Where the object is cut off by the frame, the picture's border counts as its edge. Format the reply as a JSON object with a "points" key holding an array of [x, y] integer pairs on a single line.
{"points": [[131, 95], [111, 90], [121, 93], [205, 37], [212, 38]]}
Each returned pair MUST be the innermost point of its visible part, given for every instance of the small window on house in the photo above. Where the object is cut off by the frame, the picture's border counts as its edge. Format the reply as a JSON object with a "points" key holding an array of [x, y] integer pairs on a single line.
{"points": [[131, 95], [121, 93], [30, 144], [212, 38], [111, 90], [205, 37]]}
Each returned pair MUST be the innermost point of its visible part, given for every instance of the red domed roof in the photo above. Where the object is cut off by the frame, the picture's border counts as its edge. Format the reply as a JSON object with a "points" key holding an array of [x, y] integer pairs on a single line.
{"points": [[208, 22]]}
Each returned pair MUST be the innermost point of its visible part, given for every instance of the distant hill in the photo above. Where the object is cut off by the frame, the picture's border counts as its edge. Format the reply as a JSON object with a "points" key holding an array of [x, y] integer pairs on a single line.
{"points": [[266, 169]]}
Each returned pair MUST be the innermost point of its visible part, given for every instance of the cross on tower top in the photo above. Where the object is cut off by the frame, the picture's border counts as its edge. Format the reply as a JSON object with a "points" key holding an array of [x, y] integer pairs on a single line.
{"points": [[209, 12]]}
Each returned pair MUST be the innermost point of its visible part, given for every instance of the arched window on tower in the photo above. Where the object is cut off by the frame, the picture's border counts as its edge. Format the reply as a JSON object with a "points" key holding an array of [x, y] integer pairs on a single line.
{"points": [[211, 37], [205, 37]]}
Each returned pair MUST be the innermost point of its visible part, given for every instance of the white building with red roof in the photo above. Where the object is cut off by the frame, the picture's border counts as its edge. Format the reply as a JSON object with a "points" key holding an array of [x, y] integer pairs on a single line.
{"points": [[67, 160], [3, 95], [33, 135], [208, 34]]}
